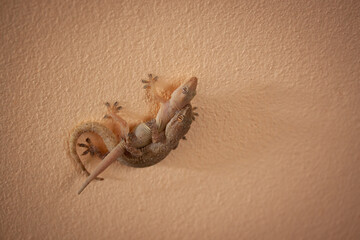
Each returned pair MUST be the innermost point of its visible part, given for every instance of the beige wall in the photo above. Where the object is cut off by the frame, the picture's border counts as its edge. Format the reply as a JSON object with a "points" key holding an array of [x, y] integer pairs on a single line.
{"points": [[275, 153]]}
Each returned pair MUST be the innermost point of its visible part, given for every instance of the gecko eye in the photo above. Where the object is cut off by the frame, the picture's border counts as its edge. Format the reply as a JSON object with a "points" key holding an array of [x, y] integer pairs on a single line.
{"points": [[180, 118], [185, 90]]}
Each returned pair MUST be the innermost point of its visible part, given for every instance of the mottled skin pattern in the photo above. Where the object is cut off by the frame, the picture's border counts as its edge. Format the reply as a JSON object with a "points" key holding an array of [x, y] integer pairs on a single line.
{"points": [[153, 153], [130, 150]]}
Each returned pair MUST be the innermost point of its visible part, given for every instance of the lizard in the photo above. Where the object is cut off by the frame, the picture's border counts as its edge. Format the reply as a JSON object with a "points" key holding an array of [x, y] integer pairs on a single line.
{"points": [[154, 152], [140, 137]]}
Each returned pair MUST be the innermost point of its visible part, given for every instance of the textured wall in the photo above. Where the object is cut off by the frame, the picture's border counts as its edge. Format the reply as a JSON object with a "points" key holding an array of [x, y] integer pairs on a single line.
{"points": [[275, 153]]}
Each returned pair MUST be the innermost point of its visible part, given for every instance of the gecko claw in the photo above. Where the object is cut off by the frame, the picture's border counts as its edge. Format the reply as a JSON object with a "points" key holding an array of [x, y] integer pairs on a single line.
{"points": [[86, 152], [90, 148], [112, 109], [194, 114], [148, 83]]}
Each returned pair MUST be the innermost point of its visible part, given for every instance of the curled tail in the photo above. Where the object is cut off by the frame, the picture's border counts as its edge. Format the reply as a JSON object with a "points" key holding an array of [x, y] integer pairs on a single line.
{"points": [[107, 136]]}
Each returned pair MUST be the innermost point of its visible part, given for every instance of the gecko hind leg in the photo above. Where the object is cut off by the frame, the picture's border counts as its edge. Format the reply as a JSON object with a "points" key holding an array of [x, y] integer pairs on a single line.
{"points": [[135, 152], [93, 150]]}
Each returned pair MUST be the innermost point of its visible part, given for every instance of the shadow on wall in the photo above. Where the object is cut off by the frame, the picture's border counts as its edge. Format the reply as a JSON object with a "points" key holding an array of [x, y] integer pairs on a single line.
{"points": [[237, 128]]}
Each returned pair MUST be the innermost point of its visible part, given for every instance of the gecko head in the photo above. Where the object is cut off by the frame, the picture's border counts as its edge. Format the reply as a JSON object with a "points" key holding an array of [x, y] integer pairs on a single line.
{"points": [[179, 125], [185, 93]]}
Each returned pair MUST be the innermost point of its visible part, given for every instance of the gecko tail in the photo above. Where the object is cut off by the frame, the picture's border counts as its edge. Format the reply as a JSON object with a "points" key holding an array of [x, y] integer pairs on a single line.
{"points": [[107, 161]]}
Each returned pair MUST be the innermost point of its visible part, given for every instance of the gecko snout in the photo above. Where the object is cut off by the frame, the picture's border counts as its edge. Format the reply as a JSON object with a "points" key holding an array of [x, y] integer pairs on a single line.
{"points": [[193, 83], [191, 86]]}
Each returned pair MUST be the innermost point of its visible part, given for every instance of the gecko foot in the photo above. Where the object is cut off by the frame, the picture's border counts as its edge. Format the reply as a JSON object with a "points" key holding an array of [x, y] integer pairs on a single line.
{"points": [[115, 108], [112, 113], [149, 83], [151, 87], [194, 114], [90, 148]]}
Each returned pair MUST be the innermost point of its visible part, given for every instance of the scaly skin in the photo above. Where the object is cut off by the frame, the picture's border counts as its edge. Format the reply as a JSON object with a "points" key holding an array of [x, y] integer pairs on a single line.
{"points": [[153, 153], [140, 137]]}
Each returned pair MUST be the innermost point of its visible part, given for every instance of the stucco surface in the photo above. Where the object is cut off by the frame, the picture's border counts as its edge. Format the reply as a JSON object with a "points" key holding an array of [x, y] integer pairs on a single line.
{"points": [[275, 153]]}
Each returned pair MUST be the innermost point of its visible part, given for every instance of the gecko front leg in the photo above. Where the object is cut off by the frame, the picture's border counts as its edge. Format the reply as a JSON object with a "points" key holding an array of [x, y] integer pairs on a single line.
{"points": [[150, 86], [112, 113], [143, 134]]}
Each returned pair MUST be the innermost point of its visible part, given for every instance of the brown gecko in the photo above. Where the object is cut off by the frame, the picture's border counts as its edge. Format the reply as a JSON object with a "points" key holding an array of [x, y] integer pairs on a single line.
{"points": [[143, 135], [154, 152]]}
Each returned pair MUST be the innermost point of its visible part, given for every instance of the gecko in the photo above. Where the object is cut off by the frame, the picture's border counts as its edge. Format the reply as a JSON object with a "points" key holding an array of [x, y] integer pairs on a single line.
{"points": [[144, 133], [154, 152]]}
